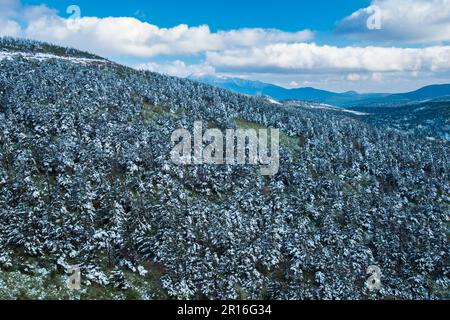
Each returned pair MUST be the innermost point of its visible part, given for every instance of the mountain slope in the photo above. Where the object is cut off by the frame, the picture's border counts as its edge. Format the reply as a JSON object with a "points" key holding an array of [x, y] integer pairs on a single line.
{"points": [[346, 99], [261, 88], [280, 93], [425, 93], [86, 179]]}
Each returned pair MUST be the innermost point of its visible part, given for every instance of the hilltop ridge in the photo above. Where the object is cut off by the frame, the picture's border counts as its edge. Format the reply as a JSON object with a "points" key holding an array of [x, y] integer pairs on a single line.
{"points": [[9, 44]]}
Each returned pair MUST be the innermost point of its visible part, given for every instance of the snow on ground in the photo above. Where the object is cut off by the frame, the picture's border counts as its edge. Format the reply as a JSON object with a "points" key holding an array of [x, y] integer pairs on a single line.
{"points": [[274, 101], [46, 56], [355, 112], [324, 106]]}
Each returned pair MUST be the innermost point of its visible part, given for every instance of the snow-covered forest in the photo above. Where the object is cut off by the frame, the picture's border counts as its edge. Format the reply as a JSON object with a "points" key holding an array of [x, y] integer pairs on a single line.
{"points": [[86, 179]]}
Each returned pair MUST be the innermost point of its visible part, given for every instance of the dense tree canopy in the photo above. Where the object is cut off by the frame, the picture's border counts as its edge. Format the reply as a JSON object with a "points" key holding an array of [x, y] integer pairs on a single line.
{"points": [[86, 178]]}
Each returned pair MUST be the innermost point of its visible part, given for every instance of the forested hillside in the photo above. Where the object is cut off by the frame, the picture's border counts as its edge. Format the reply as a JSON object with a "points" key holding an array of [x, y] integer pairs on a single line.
{"points": [[427, 119], [86, 179]]}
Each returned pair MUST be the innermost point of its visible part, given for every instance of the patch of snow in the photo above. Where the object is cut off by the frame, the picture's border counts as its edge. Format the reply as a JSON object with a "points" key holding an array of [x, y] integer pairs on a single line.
{"points": [[274, 101], [46, 56], [324, 106], [420, 109], [355, 112]]}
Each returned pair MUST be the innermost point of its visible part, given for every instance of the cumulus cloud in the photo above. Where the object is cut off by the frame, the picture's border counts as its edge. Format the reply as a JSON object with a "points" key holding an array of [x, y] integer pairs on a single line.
{"points": [[9, 28], [420, 22], [302, 56], [147, 40], [293, 84], [178, 68], [8, 9], [130, 36]]}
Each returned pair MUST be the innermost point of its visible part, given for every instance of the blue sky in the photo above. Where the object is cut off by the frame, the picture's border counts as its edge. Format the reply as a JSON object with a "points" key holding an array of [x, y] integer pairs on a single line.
{"points": [[363, 45], [288, 15]]}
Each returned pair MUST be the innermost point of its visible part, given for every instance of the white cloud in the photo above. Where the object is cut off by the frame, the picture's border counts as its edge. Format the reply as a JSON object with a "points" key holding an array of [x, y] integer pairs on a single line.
{"points": [[293, 84], [377, 76], [311, 57], [9, 28], [409, 21], [130, 36], [353, 77], [178, 68]]}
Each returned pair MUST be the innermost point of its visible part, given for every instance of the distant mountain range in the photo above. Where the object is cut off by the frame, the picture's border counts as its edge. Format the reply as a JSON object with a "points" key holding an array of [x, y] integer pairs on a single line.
{"points": [[345, 99]]}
